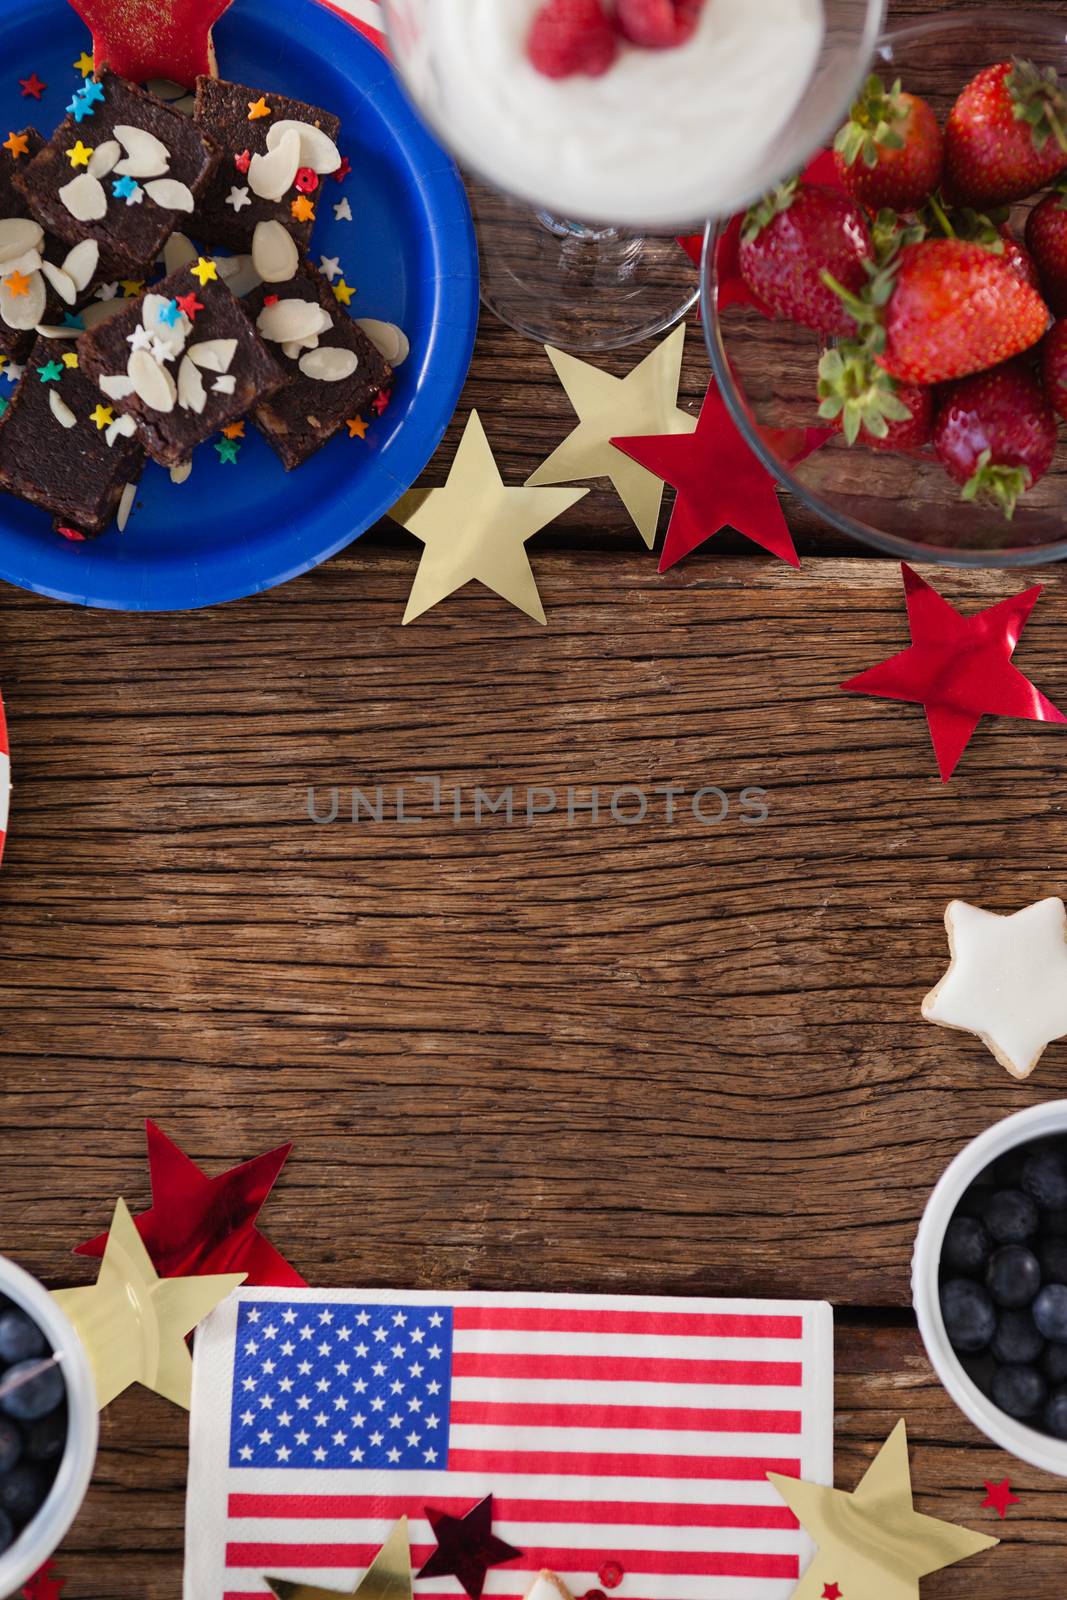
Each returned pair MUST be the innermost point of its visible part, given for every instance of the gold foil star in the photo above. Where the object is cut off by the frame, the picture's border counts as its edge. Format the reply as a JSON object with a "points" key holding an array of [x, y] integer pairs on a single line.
{"points": [[205, 270], [476, 528], [78, 155], [646, 401], [85, 64], [133, 1323], [387, 1578], [874, 1542]]}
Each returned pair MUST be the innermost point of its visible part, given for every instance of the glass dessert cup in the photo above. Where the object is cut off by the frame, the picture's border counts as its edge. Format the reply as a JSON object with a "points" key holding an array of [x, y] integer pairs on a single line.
{"points": [[616, 276], [904, 504]]}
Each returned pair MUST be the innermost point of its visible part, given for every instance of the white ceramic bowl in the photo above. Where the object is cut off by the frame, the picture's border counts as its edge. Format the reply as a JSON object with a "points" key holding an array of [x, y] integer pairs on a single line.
{"points": [[39, 1539], [1025, 1126]]}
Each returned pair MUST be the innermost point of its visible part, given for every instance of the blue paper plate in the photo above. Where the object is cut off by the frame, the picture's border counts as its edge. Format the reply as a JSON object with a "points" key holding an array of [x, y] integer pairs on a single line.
{"points": [[410, 252]]}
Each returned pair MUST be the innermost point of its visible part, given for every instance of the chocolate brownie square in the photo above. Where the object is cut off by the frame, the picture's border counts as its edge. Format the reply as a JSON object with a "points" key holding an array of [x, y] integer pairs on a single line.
{"points": [[124, 169], [60, 448], [244, 124], [183, 360], [15, 342], [335, 373]]}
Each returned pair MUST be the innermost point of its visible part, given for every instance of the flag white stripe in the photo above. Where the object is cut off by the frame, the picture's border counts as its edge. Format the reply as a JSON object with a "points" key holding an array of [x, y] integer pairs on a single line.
{"points": [[619, 1441], [660, 1347], [433, 1486], [701, 1396], [669, 1587]]}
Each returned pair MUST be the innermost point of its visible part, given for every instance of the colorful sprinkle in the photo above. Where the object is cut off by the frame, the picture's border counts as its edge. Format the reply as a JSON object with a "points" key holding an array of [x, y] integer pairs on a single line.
{"points": [[381, 401], [258, 108], [123, 188], [18, 283], [243, 161], [189, 305], [93, 94], [238, 197], [79, 155], [303, 210], [71, 533], [357, 428], [72, 321], [307, 180], [18, 144], [79, 109], [330, 267], [32, 87], [343, 170], [236, 430], [206, 271], [228, 449], [270, 299], [343, 293], [131, 287], [70, 360], [51, 373], [85, 65], [170, 313], [343, 211], [3, 405], [103, 416]]}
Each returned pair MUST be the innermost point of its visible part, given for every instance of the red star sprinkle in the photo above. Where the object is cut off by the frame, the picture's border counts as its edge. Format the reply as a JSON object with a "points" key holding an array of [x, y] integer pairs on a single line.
{"points": [[141, 39], [190, 305], [44, 1585], [720, 482], [959, 668], [270, 299], [381, 401], [32, 87], [343, 170], [999, 1497], [466, 1547], [831, 1592], [243, 161], [72, 534], [201, 1225]]}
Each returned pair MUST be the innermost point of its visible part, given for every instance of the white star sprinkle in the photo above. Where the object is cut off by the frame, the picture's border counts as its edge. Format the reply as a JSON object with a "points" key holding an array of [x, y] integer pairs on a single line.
{"points": [[238, 197], [330, 267], [139, 339], [343, 211], [108, 291]]}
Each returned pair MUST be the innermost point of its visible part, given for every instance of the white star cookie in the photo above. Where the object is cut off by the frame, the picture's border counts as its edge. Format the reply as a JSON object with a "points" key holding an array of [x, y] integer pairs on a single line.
{"points": [[1007, 982]]}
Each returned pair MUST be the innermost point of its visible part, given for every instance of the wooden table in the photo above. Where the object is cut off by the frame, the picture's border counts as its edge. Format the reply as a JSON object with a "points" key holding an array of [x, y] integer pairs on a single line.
{"points": [[665, 1058]]}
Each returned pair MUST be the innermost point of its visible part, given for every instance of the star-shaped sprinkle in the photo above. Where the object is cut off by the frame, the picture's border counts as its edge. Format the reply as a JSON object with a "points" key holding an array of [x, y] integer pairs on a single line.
{"points": [[75, 323], [79, 154], [343, 292], [1007, 981], [258, 108], [330, 267], [874, 1542], [999, 1497], [229, 450], [189, 305], [140, 338], [142, 39], [85, 64], [103, 416], [387, 1578], [133, 1324], [106, 291], [238, 197], [832, 1591], [132, 287], [170, 314], [93, 94], [343, 211], [243, 160], [302, 209], [382, 401], [32, 87], [234, 430], [79, 109], [50, 373], [18, 144], [343, 170], [70, 360], [357, 428], [206, 271], [18, 283], [13, 372], [198, 1224], [4, 403], [466, 1547], [958, 668], [123, 188]]}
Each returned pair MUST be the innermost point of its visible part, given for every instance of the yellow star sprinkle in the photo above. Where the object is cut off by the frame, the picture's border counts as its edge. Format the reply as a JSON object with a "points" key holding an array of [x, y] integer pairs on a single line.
{"points": [[343, 292], [79, 155], [357, 428], [258, 108], [18, 144], [303, 210], [18, 283], [103, 416], [70, 360], [131, 288], [206, 271], [85, 65]]}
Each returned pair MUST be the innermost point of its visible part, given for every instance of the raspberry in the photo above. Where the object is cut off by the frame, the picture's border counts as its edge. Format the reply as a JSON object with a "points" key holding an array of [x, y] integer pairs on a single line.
{"points": [[570, 36], [657, 24]]}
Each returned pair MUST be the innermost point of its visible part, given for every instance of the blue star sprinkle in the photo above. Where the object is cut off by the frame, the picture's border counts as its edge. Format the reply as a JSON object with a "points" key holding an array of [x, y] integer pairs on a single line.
{"points": [[171, 313], [123, 188], [93, 94], [71, 321], [79, 109]]}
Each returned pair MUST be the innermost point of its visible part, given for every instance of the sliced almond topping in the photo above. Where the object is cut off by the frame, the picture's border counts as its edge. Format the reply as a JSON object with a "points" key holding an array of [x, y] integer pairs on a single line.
{"points": [[173, 335], [166, 89], [214, 355], [274, 253], [170, 194], [390, 340], [152, 383], [295, 348], [119, 387], [100, 311], [27, 264], [272, 176], [317, 149], [186, 105], [24, 311], [17, 235], [225, 385], [288, 321], [84, 198], [45, 330], [146, 156], [81, 263], [178, 252], [60, 409], [122, 515], [123, 427], [181, 474], [61, 282], [191, 392], [105, 158], [329, 364], [239, 274]]}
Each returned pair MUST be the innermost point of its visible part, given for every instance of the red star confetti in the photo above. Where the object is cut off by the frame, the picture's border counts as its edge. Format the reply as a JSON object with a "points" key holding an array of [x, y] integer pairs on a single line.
{"points": [[343, 170], [199, 1226], [32, 87], [831, 1591], [189, 304], [141, 39], [466, 1547], [243, 161], [999, 1497], [44, 1585], [958, 668], [381, 400], [720, 482]]}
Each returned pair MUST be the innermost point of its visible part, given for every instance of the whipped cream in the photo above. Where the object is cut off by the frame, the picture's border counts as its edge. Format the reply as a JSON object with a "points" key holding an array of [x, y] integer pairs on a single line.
{"points": [[664, 137]]}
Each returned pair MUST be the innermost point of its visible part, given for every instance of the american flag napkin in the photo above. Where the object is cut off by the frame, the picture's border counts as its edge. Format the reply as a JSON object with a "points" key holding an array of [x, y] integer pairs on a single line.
{"points": [[609, 1429]]}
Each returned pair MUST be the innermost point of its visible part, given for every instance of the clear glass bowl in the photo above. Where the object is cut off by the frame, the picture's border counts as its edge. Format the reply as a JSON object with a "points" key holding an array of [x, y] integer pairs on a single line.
{"points": [[904, 504]]}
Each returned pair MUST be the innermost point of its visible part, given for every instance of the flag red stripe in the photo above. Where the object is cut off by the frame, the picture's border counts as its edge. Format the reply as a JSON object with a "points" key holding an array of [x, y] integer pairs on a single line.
{"points": [[609, 1513], [545, 1319], [493, 1413], [689, 1563], [591, 1464], [624, 1369]]}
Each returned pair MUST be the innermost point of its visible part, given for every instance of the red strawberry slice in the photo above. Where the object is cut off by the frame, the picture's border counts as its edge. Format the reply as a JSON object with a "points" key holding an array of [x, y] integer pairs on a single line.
{"points": [[568, 37], [657, 24]]}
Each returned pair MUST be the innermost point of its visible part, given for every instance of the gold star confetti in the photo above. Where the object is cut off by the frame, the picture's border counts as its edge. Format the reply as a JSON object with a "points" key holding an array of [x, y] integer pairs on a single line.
{"points": [[235, 430], [79, 155], [258, 108], [343, 292], [103, 416], [71, 360], [132, 287], [387, 1578], [18, 144], [85, 65], [302, 209], [205, 270], [357, 428]]}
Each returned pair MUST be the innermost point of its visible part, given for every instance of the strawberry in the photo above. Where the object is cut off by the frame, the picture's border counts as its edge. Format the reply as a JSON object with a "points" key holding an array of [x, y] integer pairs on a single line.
{"points": [[859, 396], [890, 151], [571, 36], [996, 434], [1046, 236], [657, 24], [1054, 367], [1018, 259], [790, 238], [1006, 136]]}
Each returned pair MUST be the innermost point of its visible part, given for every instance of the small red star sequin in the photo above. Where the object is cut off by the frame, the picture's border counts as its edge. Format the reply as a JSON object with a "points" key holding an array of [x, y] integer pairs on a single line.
{"points": [[307, 180], [381, 402], [243, 161], [32, 87], [44, 1585], [190, 305], [999, 1497], [343, 170]]}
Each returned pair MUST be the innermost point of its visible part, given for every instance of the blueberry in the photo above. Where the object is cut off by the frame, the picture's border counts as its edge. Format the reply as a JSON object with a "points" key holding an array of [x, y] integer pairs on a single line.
{"points": [[22, 1493], [975, 1199], [45, 1440], [1055, 1417], [1053, 1256], [1054, 1364], [7, 1531], [1011, 1216], [1007, 1169], [1045, 1178], [966, 1248], [40, 1392], [1017, 1342], [1020, 1391], [970, 1320], [1050, 1312], [20, 1338], [1013, 1276], [981, 1369], [10, 1445]]}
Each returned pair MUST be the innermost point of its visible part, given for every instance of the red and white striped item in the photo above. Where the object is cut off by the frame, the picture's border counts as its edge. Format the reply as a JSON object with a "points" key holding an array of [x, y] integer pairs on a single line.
{"points": [[615, 1432], [5, 780]]}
